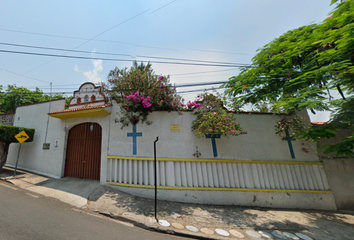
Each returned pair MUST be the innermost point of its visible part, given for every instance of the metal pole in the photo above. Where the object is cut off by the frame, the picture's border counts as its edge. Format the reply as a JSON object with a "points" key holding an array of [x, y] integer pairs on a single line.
{"points": [[157, 138], [50, 105], [18, 156]]}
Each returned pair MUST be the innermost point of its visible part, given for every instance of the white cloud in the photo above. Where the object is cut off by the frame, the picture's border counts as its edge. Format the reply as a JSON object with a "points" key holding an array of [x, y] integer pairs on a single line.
{"points": [[92, 75]]}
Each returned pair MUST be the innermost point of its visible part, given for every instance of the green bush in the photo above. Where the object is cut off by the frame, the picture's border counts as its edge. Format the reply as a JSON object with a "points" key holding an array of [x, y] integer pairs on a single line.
{"points": [[8, 133]]}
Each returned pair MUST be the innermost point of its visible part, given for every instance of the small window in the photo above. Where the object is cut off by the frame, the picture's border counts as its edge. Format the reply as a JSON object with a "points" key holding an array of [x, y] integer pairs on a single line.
{"points": [[86, 98]]}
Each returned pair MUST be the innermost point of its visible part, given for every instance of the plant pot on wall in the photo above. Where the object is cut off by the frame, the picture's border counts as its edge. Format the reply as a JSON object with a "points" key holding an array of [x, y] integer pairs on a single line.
{"points": [[134, 120], [212, 136]]}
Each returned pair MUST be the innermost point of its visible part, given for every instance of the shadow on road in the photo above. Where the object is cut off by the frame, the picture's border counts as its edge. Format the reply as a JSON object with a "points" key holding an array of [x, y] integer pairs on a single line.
{"points": [[8, 172]]}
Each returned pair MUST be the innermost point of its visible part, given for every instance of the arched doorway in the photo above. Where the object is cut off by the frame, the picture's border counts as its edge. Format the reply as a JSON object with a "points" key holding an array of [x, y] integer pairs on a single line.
{"points": [[83, 152]]}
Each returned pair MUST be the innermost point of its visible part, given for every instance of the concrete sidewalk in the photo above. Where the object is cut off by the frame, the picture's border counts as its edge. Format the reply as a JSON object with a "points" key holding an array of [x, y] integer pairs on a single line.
{"points": [[190, 220]]}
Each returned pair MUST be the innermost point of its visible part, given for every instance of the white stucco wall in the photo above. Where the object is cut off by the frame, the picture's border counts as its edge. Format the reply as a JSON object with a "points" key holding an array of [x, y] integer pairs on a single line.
{"points": [[50, 162], [32, 156], [261, 142]]}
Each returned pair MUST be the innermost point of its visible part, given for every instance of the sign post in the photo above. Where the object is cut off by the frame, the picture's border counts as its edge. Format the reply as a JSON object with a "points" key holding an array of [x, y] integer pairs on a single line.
{"points": [[21, 137], [157, 138]]}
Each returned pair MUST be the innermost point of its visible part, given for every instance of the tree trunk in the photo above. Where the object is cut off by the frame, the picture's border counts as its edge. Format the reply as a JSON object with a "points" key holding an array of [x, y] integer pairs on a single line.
{"points": [[4, 149]]}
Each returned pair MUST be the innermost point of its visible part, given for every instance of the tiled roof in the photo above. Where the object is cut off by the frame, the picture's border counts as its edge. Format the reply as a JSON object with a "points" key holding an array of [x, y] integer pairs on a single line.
{"points": [[318, 123], [81, 109]]}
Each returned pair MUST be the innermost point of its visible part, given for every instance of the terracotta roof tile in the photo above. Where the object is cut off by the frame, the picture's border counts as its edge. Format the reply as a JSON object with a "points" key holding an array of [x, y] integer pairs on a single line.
{"points": [[81, 109], [318, 123]]}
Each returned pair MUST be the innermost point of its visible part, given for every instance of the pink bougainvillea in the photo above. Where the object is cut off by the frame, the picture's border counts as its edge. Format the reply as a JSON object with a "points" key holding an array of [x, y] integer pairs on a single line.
{"points": [[193, 105], [137, 99], [140, 91]]}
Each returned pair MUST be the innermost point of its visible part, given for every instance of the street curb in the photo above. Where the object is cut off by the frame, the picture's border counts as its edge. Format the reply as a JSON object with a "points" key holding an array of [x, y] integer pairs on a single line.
{"points": [[154, 229], [7, 181]]}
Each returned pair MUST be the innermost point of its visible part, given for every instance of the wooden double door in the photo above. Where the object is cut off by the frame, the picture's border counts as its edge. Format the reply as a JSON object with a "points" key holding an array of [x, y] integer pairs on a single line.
{"points": [[83, 154]]}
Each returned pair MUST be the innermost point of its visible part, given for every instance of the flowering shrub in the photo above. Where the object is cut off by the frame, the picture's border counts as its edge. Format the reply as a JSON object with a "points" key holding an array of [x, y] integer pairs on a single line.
{"points": [[135, 108], [136, 100], [140, 91], [192, 105], [295, 124], [216, 123], [213, 118]]}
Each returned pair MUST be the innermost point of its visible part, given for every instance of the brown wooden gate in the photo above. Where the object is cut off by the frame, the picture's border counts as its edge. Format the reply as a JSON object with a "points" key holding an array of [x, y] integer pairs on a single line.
{"points": [[83, 154]]}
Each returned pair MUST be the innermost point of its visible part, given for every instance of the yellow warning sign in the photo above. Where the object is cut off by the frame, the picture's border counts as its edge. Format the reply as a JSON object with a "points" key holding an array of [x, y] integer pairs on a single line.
{"points": [[22, 136], [175, 128]]}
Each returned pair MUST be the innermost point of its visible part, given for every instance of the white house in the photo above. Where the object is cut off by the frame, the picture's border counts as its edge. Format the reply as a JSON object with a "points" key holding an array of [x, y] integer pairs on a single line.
{"points": [[257, 169]]}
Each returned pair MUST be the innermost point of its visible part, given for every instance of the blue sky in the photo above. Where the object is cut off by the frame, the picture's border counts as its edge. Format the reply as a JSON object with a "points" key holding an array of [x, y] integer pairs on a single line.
{"points": [[209, 30]]}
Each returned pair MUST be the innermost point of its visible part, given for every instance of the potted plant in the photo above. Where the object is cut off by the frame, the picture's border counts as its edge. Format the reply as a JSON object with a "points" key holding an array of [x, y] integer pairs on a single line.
{"points": [[213, 119]]}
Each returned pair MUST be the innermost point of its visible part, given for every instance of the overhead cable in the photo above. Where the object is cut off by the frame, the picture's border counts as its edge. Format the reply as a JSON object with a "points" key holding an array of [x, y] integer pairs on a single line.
{"points": [[80, 38], [88, 40], [120, 60], [181, 85], [118, 54]]}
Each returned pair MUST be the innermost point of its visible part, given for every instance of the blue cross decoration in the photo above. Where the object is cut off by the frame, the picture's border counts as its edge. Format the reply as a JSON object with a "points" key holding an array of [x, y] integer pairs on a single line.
{"points": [[134, 134], [215, 151], [289, 139]]}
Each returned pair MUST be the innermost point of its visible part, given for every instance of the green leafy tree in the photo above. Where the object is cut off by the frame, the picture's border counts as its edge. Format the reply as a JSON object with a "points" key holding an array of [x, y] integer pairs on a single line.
{"points": [[17, 96], [301, 68], [7, 136], [140, 91]]}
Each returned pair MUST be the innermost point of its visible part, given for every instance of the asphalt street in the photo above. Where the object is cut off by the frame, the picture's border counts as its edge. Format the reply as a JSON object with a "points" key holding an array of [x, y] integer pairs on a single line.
{"points": [[28, 216]]}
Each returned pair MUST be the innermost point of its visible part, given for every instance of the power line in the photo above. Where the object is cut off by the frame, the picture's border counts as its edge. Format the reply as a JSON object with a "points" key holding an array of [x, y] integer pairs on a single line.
{"points": [[112, 28], [67, 94], [79, 38], [76, 84], [201, 50], [61, 49], [173, 85], [121, 60], [192, 60], [34, 93], [194, 77], [163, 6], [199, 84], [23, 75], [40, 93], [88, 40], [130, 89], [192, 73], [197, 90], [177, 86], [115, 54]]}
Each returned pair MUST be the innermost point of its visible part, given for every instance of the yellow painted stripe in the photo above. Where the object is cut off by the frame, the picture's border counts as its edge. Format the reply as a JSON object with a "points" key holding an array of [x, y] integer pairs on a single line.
{"points": [[218, 189], [213, 160]]}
